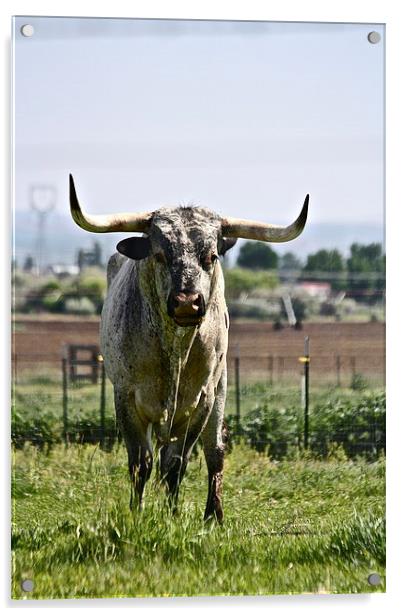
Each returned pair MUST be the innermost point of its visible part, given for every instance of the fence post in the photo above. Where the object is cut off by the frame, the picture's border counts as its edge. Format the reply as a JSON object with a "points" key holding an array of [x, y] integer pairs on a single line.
{"points": [[338, 370], [281, 367], [65, 396], [237, 386], [306, 361], [271, 370], [102, 401], [353, 366]]}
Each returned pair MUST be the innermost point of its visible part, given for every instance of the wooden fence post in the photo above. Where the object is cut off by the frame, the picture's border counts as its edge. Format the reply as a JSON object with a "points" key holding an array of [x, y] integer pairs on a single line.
{"points": [[271, 370], [338, 370]]}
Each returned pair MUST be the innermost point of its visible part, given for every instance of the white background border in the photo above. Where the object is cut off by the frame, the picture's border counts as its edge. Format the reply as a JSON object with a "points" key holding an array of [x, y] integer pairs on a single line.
{"points": [[385, 11]]}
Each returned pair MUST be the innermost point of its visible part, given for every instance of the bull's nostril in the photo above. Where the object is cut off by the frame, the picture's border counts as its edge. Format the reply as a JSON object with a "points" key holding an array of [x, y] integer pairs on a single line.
{"points": [[185, 299], [185, 305]]}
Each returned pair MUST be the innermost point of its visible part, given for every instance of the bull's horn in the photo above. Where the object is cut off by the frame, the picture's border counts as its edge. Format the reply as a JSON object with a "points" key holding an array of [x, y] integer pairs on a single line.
{"points": [[251, 230], [106, 223]]}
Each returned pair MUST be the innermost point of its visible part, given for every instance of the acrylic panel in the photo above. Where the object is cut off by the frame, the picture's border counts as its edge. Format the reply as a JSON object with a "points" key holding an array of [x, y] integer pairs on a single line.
{"points": [[157, 449]]}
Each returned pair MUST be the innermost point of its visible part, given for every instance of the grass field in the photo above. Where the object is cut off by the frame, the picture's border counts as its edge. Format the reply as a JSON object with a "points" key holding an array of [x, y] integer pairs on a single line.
{"points": [[37, 400], [291, 527]]}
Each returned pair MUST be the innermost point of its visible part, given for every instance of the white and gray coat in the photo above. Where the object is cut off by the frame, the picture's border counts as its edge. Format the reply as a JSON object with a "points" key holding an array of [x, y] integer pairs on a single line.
{"points": [[169, 380], [164, 335]]}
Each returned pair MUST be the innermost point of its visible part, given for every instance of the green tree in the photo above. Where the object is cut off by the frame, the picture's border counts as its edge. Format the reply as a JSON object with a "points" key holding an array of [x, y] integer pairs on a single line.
{"points": [[238, 281], [289, 262], [326, 266], [366, 271], [90, 284], [257, 256], [47, 297]]}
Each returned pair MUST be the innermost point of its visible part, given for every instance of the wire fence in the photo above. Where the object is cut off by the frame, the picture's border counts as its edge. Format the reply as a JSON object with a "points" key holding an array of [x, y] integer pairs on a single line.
{"points": [[69, 399], [329, 370]]}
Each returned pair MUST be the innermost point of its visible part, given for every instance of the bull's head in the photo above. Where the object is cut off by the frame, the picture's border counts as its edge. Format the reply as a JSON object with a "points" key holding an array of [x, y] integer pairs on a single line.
{"points": [[183, 244]]}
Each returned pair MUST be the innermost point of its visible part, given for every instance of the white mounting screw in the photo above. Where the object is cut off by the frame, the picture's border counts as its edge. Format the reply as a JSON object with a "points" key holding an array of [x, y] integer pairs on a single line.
{"points": [[27, 30], [27, 585], [374, 37]]}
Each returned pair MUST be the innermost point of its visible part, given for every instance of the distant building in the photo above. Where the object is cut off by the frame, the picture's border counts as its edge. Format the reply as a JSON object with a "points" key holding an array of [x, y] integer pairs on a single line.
{"points": [[319, 290], [62, 271], [90, 258]]}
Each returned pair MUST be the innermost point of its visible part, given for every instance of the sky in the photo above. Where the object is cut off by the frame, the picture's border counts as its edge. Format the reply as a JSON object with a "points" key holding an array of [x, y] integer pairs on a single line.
{"points": [[242, 117]]}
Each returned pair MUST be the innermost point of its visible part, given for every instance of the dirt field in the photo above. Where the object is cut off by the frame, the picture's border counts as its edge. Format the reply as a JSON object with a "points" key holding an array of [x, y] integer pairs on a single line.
{"points": [[338, 350]]}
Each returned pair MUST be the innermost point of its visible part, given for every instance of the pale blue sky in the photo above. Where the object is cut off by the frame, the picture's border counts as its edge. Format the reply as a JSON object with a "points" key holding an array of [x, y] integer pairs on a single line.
{"points": [[245, 117]]}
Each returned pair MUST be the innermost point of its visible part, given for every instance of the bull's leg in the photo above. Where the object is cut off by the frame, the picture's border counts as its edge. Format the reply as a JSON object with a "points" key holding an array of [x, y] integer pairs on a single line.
{"points": [[173, 464], [138, 445], [174, 457], [214, 448]]}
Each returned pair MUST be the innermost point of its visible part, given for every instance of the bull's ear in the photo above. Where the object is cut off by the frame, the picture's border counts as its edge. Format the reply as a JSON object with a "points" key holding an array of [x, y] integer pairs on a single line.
{"points": [[135, 247], [226, 244]]}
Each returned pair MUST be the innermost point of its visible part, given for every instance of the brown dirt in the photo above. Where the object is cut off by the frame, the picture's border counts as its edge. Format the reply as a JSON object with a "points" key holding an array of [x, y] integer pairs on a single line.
{"points": [[262, 350]]}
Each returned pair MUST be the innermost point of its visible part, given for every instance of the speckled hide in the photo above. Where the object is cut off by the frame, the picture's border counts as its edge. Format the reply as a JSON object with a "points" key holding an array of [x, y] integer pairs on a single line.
{"points": [[169, 379]]}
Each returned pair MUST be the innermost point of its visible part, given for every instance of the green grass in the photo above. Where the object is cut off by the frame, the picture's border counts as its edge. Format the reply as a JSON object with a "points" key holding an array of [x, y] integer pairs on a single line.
{"points": [[255, 394], [38, 408], [290, 527]]}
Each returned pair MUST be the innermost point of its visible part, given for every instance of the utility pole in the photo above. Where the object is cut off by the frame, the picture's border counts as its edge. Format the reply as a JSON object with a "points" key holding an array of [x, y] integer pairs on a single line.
{"points": [[42, 201]]}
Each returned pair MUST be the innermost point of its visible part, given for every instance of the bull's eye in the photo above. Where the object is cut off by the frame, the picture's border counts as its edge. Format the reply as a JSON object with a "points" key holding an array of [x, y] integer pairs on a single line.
{"points": [[208, 260]]}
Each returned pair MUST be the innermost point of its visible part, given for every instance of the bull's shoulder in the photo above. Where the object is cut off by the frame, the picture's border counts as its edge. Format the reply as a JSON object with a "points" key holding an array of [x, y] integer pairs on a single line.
{"points": [[114, 264]]}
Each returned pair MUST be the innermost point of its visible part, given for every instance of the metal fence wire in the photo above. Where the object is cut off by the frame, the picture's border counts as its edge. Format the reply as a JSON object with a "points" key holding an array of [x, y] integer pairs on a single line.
{"points": [[328, 404]]}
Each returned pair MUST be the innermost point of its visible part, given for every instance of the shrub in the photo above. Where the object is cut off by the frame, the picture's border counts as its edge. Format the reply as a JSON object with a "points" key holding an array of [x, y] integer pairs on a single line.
{"points": [[47, 297], [272, 430], [37, 419], [238, 281], [83, 294], [93, 286], [79, 305], [248, 311], [358, 382], [357, 426], [328, 309], [33, 420], [339, 428]]}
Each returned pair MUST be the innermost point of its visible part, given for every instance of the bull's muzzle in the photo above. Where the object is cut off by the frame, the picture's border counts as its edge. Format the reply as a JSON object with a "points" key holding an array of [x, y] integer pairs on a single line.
{"points": [[186, 308]]}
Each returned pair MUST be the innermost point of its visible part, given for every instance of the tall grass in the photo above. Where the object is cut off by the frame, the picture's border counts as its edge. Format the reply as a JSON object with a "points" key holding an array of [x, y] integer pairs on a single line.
{"points": [[294, 526]]}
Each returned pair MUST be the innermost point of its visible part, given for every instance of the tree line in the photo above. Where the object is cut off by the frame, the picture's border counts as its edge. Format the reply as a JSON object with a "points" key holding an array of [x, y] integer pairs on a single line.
{"points": [[258, 270], [361, 273]]}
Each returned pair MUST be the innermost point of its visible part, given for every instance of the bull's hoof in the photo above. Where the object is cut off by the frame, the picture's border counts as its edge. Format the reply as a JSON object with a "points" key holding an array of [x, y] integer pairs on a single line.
{"points": [[214, 516]]}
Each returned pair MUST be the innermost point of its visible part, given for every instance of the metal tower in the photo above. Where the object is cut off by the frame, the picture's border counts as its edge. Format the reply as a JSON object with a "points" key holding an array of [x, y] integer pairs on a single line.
{"points": [[42, 201]]}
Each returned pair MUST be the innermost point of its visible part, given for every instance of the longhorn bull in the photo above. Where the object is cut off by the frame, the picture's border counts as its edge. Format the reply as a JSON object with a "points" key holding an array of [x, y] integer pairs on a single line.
{"points": [[164, 335]]}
